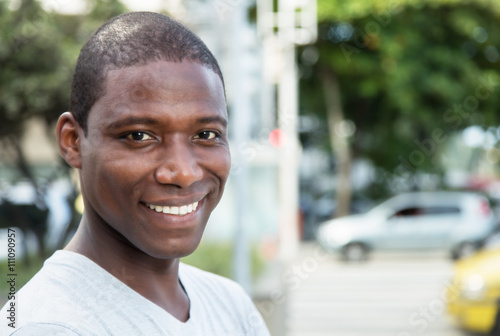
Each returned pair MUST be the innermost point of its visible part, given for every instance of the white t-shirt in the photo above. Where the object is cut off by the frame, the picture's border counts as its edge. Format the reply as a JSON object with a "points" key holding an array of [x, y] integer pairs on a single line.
{"points": [[71, 295]]}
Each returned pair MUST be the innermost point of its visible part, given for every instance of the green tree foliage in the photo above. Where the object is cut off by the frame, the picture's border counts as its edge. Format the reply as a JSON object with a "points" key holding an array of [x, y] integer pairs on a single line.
{"points": [[409, 74], [35, 73], [35, 77], [38, 52]]}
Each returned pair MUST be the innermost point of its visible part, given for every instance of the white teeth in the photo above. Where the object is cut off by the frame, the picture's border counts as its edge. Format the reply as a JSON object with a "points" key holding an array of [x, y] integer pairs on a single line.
{"points": [[174, 210]]}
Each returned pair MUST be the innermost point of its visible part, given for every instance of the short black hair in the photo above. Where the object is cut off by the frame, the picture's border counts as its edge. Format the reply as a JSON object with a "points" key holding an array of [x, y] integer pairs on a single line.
{"points": [[130, 39]]}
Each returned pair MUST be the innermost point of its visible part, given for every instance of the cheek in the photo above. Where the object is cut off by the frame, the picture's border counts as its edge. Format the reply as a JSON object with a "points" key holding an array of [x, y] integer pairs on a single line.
{"points": [[115, 175], [220, 164]]}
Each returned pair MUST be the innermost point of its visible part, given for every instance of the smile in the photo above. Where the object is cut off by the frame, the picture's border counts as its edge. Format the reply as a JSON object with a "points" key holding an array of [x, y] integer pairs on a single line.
{"points": [[174, 210]]}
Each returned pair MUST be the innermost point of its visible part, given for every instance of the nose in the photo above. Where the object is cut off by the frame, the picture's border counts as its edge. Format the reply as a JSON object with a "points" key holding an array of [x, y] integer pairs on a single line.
{"points": [[178, 165]]}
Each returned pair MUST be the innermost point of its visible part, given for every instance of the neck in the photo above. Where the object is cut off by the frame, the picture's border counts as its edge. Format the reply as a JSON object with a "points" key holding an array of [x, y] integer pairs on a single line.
{"points": [[155, 279]]}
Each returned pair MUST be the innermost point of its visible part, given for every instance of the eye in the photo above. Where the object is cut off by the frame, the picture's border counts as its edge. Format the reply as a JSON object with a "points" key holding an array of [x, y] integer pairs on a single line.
{"points": [[139, 136], [206, 135]]}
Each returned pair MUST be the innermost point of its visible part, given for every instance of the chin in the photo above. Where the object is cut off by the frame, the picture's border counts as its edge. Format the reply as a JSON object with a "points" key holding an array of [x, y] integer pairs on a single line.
{"points": [[173, 250]]}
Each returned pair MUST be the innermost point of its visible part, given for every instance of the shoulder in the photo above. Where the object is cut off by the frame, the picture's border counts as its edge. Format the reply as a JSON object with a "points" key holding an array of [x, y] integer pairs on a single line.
{"points": [[60, 297], [61, 279], [222, 297], [36, 329]]}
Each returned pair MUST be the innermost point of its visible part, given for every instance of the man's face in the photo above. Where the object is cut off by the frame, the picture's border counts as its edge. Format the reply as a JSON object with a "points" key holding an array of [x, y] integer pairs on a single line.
{"points": [[156, 158]]}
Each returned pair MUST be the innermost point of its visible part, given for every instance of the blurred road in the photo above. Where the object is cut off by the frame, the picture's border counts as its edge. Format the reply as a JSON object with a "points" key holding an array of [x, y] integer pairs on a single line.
{"points": [[390, 295]]}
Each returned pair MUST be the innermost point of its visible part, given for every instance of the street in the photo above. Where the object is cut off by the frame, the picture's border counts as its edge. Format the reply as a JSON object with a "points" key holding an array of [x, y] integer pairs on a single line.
{"points": [[390, 295]]}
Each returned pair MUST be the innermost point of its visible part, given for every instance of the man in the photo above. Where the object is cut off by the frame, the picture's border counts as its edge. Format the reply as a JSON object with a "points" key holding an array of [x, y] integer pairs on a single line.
{"points": [[147, 132]]}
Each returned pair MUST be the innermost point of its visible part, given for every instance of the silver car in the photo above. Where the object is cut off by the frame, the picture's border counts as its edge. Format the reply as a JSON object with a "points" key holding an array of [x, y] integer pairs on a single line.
{"points": [[455, 221]]}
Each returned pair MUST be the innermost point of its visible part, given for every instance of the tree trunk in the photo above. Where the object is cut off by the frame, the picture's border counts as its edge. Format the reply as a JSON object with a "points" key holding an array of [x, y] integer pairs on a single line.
{"points": [[31, 221], [339, 142], [24, 168]]}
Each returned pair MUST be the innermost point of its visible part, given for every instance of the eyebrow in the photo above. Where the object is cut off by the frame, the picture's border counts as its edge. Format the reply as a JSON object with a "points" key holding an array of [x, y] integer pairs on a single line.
{"points": [[214, 119], [132, 121], [149, 121]]}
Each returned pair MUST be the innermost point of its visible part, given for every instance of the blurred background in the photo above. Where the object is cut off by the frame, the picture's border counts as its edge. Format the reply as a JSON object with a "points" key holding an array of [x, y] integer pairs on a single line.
{"points": [[365, 135]]}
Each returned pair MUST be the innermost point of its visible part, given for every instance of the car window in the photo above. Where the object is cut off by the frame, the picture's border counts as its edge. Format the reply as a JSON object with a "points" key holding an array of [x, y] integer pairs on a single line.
{"points": [[438, 210], [408, 212], [431, 210]]}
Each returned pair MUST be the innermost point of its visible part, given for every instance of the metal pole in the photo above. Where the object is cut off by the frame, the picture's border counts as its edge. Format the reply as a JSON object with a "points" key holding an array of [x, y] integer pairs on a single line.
{"points": [[287, 122], [293, 22], [240, 131]]}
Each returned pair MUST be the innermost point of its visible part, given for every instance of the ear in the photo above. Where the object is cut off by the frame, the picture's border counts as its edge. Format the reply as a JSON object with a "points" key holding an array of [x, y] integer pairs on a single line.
{"points": [[68, 138]]}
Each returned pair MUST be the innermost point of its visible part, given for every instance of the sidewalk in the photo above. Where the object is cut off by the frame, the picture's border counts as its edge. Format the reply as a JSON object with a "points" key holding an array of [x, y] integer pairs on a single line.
{"points": [[392, 294], [271, 293]]}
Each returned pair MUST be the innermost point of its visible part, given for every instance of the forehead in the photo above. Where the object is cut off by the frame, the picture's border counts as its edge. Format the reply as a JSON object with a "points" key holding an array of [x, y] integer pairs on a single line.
{"points": [[160, 83]]}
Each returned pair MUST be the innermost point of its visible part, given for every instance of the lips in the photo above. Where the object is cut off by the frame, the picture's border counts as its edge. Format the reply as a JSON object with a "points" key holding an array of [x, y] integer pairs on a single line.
{"points": [[174, 210]]}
